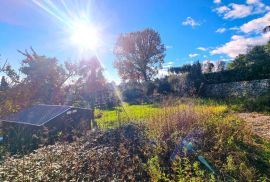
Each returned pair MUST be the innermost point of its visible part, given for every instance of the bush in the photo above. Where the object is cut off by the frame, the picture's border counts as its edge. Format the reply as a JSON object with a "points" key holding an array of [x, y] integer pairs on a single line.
{"points": [[234, 75], [163, 86], [116, 154]]}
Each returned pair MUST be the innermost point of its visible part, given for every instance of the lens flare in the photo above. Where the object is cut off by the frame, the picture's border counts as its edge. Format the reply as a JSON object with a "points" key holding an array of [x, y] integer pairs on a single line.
{"points": [[75, 19], [84, 35]]}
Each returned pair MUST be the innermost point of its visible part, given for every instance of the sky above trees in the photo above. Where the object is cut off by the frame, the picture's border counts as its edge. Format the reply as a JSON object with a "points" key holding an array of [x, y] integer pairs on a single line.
{"points": [[190, 30]]}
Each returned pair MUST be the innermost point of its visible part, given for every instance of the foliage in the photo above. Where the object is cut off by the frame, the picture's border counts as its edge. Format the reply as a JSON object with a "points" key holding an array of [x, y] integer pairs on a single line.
{"points": [[251, 104], [214, 135], [45, 77], [208, 67], [3, 85], [132, 92], [128, 153], [188, 79], [9, 71], [48, 82], [234, 75], [22, 139], [116, 154], [91, 81], [139, 55], [163, 86], [251, 66]]}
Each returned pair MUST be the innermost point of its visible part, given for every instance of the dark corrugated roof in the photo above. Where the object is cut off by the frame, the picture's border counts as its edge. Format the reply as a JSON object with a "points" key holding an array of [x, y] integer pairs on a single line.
{"points": [[37, 114]]}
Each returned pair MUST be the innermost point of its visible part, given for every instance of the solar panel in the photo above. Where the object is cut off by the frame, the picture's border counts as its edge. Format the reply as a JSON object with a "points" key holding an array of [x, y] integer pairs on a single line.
{"points": [[37, 114]]}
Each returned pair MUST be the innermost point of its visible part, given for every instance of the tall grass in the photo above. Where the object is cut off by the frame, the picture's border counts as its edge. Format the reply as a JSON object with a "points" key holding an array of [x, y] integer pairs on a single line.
{"points": [[215, 133], [221, 138], [177, 136]]}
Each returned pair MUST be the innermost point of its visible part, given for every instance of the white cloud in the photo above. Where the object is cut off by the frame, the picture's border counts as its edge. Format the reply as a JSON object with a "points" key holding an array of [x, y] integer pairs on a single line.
{"points": [[222, 9], [193, 55], [162, 73], [168, 64], [169, 46], [256, 24], [234, 28], [238, 11], [239, 45], [234, 11], [217, 1], [259, 7], [190, 22], [252, 1], [221, 30], [202, 48]]}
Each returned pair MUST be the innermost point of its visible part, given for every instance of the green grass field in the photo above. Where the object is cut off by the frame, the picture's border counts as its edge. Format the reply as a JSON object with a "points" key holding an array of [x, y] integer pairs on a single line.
{"points": [[140, 113]]}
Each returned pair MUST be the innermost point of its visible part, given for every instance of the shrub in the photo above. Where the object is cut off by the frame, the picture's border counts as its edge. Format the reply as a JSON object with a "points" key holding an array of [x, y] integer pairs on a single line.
{"points": [[116, 154], [163, 86], [234, 75]]}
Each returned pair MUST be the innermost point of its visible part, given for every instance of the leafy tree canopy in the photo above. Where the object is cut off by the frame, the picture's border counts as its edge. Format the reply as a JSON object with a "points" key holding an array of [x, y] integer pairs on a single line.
{"points": [[139, 55]]}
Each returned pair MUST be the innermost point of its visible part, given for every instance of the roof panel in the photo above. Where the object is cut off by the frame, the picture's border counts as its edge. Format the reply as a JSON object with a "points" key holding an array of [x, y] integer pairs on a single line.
{"points": [[37, 114]]}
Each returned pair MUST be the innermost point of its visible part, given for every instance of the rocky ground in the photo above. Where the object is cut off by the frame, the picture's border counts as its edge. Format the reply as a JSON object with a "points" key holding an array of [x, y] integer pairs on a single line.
{"points": [[259, 123]]}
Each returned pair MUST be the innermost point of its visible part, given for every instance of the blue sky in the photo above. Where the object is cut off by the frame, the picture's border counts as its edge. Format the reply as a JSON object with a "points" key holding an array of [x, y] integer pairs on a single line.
{"points": [[191, 30]]}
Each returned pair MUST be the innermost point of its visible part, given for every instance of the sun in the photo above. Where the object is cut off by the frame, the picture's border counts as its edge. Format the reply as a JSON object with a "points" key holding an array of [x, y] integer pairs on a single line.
{"points": [[84, 35]]}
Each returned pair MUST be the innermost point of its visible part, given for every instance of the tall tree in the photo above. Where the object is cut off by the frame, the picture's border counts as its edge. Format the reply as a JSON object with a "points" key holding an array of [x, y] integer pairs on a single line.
{"points": [[139, 55], [189, 81], [45, 76], [9, 71], [91, 84], [3, 84]]}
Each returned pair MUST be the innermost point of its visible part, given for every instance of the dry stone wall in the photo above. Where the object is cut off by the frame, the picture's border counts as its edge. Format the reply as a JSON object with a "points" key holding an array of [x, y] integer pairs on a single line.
{"points": [[237, 89]]}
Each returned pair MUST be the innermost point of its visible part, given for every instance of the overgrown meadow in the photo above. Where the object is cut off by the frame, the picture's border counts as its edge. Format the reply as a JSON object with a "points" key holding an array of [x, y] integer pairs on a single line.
{"points": [[165, 142]]}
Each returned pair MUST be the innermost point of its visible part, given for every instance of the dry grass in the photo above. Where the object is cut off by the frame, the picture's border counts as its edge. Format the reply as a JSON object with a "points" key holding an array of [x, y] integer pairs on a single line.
{"points": [[221, 138], [144, 152]]}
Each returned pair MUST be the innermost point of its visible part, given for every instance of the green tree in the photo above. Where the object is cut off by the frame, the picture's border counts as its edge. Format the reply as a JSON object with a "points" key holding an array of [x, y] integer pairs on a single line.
{"points": [[139, 55], [239, 62], [4, 84], [91, 83], [257, 56], [46, 77], [9, 71], [189, 81]]}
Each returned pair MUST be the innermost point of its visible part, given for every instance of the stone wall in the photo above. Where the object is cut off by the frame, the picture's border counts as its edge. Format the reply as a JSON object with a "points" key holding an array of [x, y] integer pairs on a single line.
{"points": [[237, 89]]}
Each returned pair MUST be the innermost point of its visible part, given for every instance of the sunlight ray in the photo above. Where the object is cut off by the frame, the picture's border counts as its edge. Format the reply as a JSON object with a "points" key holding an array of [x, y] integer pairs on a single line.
{"points": [[48, 10]]}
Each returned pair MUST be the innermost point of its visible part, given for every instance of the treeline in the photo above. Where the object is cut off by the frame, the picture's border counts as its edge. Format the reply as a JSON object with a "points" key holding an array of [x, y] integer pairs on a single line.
{"points": [[41, 79], [138, 58], [140, 54], [254, 65]]}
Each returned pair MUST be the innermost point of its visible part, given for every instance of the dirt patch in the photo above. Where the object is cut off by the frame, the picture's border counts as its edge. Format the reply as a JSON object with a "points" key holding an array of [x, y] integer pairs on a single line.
{"points": [[259, 123]]}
